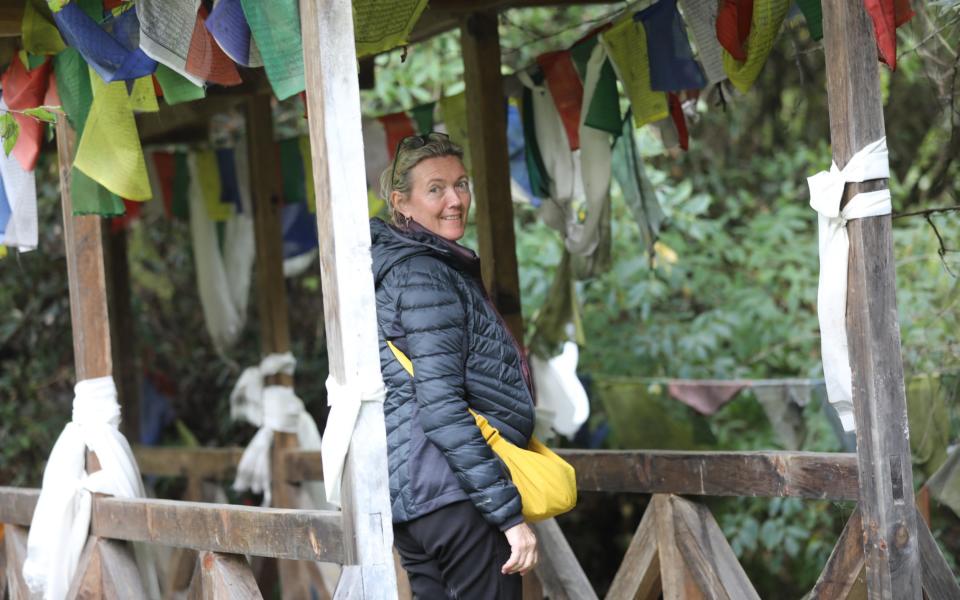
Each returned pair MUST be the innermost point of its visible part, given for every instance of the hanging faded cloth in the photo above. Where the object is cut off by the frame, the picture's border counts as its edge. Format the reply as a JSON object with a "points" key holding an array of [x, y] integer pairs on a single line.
{"points": [[230, 29], [672, 66], [20, 190], [23, 89], [783, 403], [767, 18], [706, 396], [701, 18], [826, 192], [61, 520]]}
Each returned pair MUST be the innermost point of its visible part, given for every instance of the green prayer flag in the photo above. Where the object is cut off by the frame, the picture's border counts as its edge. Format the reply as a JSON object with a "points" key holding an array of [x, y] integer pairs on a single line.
{"points": [[381, 25], [73, 86], [539, 180], [929, 422], [813, 13], [423, 117], [90, 198], [291, 171], [180, 207], [177, 88], [275, 26], [637, 191], [604, 110]]}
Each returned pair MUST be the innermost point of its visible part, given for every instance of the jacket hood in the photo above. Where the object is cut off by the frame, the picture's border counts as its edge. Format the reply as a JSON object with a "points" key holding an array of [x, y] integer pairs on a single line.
{"points": [[391, 245]]}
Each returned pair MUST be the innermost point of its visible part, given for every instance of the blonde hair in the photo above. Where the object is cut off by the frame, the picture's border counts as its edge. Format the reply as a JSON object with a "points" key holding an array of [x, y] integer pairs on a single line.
{"points": [[412, 151]]}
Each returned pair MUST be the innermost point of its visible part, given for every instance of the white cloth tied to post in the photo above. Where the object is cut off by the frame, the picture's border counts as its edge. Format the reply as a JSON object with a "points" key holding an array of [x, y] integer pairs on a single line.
{"points": [[271, 408], [826, 192], [345, 401], [61, 521]]}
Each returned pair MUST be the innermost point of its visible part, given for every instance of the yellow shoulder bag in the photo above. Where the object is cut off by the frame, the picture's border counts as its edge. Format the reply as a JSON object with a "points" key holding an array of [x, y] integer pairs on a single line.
{"points": [[547, 483]]}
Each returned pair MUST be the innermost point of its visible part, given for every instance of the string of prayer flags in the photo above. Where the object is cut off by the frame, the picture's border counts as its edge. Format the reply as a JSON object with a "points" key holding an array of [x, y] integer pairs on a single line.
{"points": [[566, 90], [768, 16], [23, 89], [626, 45], [398, 126], [206, 59], [110, 48], [166, 30], [453, 109], [228, 26], [701, 18], [600, 96], [887, 15], [813, 14], [109, 151], [672, 66], [176, 88], [380, 26], [275, 25], [423, 117], [20, 190], [733, 26], [39, 34]]}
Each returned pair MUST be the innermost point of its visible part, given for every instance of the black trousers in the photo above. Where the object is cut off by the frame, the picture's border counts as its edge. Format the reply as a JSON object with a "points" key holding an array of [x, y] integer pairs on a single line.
{"points": [[454, 553]]}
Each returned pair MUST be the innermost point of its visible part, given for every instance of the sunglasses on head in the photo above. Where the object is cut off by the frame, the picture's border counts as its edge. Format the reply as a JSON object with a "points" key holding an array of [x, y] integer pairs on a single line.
{"points": [[412, 142]]}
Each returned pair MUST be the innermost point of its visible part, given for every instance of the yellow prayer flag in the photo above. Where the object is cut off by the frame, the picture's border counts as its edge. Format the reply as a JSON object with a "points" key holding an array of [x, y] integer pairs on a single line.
{"points": [[381, 25], [767, 18], [3, 251], [210, 186], [40, 35], [109, 151], [143, 96], [626, 44], [308, 173], [453, 111]]}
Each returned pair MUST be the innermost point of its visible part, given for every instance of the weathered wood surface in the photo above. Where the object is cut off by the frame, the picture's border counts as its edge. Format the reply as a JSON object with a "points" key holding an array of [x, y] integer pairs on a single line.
{"points": [[490, 164], [15, 550], [765, 474], [280, 533], [559, 572], [676, 580], [939, 582], [222, 577], [873, 331], [843, 576], [638, 577], [126, 362], [86, 276], [707, 553], [218, 464], [333, 106], [107, 570]]}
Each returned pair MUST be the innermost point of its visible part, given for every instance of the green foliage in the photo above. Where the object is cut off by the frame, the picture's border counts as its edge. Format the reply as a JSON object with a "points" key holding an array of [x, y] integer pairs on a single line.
{"points": [[9, 131]]}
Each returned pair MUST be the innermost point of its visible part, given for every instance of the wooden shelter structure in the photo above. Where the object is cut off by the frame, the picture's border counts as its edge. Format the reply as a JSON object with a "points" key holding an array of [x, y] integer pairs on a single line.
{"points": [[885, 551]]}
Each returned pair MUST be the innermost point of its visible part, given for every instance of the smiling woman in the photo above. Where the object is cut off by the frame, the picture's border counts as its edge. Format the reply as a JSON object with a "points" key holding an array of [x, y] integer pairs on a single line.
{"points": [[458, 520]]}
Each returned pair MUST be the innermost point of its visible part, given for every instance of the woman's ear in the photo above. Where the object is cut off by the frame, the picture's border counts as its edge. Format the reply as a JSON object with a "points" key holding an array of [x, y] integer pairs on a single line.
{"points": [[397, 199]]}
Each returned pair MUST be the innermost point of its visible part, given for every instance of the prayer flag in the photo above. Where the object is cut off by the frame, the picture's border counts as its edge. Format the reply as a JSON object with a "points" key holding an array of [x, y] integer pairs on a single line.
{"points": [[701, 17], [733, 26], [423, 117], [20, 189], [275, 25], [672, 67], [228, 26], [381, 25], [40, 35], [603, 101], [565, 89], [887, 15], [679, 121], [638, 193], [453, 109], [24, 89], [73, 85], [539, 180], [229, 185], [163, 166], [209, 186], [626, 45], [768, 16], [291, 171], [166, 29], [398, 126], [143, 96], [813, 14], [177, 88], [206, 59], [299, 229], [181, 186]]}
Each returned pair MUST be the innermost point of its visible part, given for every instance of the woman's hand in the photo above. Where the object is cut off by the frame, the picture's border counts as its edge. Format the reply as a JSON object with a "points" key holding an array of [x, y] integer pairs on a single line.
{"points": [[523, 550]]}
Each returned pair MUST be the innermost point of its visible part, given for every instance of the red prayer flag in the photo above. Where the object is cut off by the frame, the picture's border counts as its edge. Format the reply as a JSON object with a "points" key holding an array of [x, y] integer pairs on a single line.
{"points": [[887, 15], [733, 26], [24, 89], [398, 126], [679, 120], [206, 60], [566, 90], [131, 214], [164, 166]]}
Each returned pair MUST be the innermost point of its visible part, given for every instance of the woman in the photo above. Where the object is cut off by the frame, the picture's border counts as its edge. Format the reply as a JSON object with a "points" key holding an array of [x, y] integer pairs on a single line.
{"points": [[457, 516]]}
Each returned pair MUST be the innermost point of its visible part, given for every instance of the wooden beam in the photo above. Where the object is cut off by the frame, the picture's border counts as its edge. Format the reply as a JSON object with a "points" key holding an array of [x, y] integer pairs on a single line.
{"points": [[939, 582], [83, 238], [490, 163], [281, 533], [873, 332], [11, 19], [842, 577], [559, 571], [15, 547], [676, 580], [336, 143], [223, 577], [638, 577], [218, 464], [122, 331], [707, 553]]}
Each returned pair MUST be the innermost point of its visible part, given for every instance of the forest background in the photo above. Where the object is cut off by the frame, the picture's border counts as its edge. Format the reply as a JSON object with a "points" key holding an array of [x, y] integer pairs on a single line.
{"points": [[729, 293]]}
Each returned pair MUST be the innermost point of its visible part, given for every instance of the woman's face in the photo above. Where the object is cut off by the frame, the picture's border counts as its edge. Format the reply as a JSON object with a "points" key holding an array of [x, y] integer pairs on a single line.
{"points": [[439, 197]]}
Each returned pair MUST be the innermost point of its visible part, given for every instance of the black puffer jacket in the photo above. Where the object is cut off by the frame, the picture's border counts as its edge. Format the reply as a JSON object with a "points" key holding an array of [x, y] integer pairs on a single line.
{"points": [[432, 305]]}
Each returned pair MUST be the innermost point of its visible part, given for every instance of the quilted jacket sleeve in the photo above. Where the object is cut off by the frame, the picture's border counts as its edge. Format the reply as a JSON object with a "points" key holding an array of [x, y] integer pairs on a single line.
{"points": [[432, 314]]}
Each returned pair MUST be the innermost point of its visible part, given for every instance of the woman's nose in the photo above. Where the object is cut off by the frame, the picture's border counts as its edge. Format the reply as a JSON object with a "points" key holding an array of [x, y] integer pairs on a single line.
{"points": [[452, 197]]}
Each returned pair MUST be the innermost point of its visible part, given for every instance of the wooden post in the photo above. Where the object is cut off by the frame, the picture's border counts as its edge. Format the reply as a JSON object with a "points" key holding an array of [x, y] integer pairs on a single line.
{"points": [[122, 331], [487, 133], [886, 477], [333, 101]]}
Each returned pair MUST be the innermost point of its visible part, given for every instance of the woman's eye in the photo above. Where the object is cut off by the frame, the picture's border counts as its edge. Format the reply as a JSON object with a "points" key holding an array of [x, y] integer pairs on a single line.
{"points": [[434, 189], [462, 185]]}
